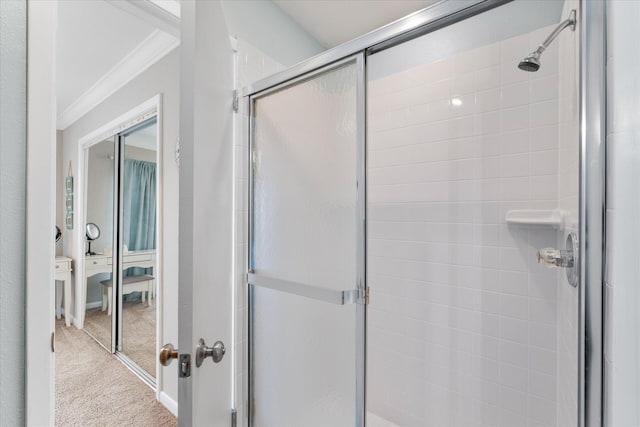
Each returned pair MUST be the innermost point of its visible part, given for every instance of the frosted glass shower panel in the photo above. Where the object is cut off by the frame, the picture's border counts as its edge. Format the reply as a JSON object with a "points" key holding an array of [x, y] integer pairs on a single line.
{"points": [[305, 181], [304, 361], [303, 346]]}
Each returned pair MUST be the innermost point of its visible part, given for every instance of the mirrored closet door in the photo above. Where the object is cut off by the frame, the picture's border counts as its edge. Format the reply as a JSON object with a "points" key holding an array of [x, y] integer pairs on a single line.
{"points": [[121, 242], [138, 230], [99, 238]]}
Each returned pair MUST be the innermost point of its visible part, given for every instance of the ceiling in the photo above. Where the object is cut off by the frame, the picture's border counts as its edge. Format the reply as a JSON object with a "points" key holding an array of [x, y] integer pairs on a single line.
{"points": [[334, 22], [104, 44], [93, 36]]}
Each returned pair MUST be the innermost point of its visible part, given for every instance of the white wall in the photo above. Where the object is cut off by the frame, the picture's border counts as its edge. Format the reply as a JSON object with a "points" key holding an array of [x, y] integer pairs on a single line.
{"points": [[270, 30], [162, 77], [13, 141], [463, 324], [622, 318]]}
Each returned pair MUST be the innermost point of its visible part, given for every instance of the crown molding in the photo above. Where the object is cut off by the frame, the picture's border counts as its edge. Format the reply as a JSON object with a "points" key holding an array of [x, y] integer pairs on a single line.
{"points": [[161, 14], [157, 45]]}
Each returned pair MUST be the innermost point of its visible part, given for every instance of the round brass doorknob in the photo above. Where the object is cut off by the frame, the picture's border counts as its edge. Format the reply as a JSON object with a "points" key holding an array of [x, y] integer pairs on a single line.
{"points": [[167, 354]]}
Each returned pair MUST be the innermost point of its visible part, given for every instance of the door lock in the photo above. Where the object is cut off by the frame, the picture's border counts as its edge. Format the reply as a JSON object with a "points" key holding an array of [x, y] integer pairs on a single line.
{"points": [[216, 352]]}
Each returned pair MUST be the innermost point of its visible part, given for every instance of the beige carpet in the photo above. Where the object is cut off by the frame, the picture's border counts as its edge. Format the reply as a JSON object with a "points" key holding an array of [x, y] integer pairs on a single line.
{"points": [[93, 388], [138, 332]]}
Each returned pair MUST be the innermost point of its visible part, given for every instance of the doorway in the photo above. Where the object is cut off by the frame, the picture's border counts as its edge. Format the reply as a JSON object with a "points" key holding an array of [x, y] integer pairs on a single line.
{"points": [[118, 287]]}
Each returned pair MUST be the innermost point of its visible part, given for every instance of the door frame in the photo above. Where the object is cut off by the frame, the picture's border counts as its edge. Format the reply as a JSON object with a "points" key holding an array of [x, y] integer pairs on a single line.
{"points": [[592, 143], [592, 198], [39, 363]]}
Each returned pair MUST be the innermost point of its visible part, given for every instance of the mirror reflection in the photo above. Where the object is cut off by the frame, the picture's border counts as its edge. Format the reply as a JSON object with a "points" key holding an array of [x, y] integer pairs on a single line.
{"points": [[130, 329], [99, 238], [139, 230], [92, 233]]}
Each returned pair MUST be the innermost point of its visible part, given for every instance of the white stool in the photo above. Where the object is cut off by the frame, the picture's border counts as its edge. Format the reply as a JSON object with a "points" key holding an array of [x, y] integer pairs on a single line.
{"points": [[142, 283]]}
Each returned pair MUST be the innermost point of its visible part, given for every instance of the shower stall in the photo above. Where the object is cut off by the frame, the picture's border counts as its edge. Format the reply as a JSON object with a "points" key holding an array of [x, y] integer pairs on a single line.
{"points": [[425, 224]]}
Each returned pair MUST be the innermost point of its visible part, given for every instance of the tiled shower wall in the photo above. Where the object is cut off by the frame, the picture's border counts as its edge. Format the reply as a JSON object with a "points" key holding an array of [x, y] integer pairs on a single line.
{"points": [[463, 324]]}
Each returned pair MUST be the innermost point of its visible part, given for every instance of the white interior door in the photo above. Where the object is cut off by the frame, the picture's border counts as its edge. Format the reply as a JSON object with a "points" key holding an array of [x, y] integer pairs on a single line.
{"points": [[206, 213], [39, 361]]}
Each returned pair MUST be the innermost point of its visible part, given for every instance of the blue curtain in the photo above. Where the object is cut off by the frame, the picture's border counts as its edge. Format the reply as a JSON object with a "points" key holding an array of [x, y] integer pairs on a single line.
{"points": [[139, 194]]}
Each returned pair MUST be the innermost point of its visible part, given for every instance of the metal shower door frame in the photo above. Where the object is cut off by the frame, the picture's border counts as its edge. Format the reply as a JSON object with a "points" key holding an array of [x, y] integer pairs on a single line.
{"points": [[357, 295], [592, 196]]}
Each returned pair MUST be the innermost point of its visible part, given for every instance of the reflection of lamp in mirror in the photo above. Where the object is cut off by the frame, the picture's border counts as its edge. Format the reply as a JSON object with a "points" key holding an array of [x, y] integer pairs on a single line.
{"points": [[58, 234], [92, 233]]}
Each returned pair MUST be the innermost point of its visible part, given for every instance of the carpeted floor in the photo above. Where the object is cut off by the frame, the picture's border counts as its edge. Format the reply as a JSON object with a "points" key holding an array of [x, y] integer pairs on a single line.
{"points": [[93, 388], [138, 332]]}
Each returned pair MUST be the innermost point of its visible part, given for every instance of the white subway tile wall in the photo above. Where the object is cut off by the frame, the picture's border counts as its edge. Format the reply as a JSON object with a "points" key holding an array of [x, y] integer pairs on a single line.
{"points": [[463, 323], [622, 316]]}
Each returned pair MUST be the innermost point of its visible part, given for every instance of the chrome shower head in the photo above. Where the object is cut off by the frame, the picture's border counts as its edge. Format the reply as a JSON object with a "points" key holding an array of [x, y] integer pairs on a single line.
{"points": [[532, 62]]}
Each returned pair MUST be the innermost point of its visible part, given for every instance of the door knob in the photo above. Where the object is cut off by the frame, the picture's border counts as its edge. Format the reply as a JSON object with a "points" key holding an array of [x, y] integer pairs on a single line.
{"points": [[566, 258], [216, 352], [167, 354]]}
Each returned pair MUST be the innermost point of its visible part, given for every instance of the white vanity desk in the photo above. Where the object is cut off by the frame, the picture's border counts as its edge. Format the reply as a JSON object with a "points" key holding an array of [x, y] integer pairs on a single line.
{"points": [[100, 263], [63, 274]]}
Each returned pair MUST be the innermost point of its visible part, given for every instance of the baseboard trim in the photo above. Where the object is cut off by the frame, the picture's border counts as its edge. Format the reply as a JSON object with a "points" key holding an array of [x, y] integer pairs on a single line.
{"points": [[169, 403], [74, 320], [94, 304]]}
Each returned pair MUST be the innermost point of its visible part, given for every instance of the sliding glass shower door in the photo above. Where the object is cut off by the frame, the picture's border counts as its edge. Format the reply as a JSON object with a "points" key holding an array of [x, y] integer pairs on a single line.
{"points": [[469, 267], [306, 251]]}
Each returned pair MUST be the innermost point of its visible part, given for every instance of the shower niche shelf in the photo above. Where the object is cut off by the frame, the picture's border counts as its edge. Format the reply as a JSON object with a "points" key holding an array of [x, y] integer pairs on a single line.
{"points": [[535, 217]]}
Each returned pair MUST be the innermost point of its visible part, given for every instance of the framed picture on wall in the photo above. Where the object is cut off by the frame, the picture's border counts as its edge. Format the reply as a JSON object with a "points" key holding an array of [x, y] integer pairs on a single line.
{"points": [[69, 221], [69, 203], [68, 184]]}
